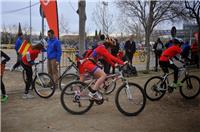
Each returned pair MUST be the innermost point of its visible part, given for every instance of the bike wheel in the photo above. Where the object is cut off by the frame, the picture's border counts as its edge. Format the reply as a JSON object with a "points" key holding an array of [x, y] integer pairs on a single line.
{"points": [[191, 87], [44, 85], [154, 88], [108, 86], [66, 79], [130, 101], [76, 103]]}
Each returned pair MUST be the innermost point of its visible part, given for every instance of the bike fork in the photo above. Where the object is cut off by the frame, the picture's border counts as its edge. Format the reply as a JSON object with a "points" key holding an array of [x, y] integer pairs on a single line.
{"points": [[128, 92]]}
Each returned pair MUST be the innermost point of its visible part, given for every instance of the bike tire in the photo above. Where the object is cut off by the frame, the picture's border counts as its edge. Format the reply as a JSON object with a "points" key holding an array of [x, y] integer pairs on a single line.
{"points": [[151, 90], [67, 100], [44, 86], [108, 86], [66, 79], [127, 108], [190, 83]]}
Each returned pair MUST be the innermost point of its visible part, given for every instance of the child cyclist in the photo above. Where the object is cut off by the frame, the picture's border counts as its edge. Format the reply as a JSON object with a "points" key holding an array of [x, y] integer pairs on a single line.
{"points": [[27, 61], [89, 65], [165, 60]]}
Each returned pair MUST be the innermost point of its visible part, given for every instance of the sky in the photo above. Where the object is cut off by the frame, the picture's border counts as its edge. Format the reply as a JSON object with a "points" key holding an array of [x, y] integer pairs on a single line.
{"points": [[67, 8]]}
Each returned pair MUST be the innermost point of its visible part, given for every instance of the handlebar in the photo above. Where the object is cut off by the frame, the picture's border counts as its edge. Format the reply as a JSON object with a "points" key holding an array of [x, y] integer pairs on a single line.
{"points": [[41, 61]]}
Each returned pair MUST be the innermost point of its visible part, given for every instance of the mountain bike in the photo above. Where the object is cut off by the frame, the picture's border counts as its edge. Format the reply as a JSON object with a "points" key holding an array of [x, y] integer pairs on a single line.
{"points": [[66, 77], [43, 84], [156, 87], [130, 99]]}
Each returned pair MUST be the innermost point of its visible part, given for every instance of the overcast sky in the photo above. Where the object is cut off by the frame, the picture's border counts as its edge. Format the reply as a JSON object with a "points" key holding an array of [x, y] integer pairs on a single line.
{"points": [[65, 7]]}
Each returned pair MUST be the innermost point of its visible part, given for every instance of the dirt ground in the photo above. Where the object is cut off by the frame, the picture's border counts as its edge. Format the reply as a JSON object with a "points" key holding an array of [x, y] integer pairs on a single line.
{"points": [[172, 113]]}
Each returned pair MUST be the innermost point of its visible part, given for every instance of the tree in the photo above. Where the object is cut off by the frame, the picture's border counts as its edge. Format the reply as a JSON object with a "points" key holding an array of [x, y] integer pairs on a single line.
{"points": [[64, 28], [149, 14], [102, 17], [191, 11]]}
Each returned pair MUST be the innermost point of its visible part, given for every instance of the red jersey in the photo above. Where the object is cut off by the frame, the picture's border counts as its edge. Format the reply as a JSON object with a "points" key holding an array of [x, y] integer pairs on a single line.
{"points": [[102, 52], [30, 56], [170, 53]]}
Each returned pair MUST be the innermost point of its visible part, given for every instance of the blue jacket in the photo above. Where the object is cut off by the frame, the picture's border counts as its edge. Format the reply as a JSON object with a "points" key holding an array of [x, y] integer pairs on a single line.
{"points": [[54, 49], [18, 43]]}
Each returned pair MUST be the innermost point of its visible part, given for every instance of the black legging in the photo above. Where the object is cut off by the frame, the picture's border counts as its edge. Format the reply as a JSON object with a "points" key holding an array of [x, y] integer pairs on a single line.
{"points": [[29, 74], [164, 65], [18, 62], [3, 91]]}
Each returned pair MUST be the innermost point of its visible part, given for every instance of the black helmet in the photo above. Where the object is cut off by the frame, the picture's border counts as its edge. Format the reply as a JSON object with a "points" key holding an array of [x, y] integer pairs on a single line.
{"points": [[177, 41]]}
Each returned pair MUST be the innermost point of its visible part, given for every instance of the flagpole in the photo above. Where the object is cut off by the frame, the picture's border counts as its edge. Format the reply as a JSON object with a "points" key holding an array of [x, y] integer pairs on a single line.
{"points": [[30, 24]]}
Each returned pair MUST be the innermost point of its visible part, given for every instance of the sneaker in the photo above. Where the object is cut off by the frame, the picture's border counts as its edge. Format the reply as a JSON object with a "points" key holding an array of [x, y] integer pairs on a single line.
{"points": [[95, 96], [77, 97], [11, 69], [176, 85], [27, 96], [4, 98]]}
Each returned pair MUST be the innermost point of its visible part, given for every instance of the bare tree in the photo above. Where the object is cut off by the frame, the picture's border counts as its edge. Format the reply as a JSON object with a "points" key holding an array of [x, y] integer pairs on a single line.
{"points": [[103, 18], [191, 11], [64, 28], [149, 14]]}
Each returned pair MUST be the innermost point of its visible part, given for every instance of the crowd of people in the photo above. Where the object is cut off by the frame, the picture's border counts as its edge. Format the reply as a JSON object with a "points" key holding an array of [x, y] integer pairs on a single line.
{"points": [[107, 51]]}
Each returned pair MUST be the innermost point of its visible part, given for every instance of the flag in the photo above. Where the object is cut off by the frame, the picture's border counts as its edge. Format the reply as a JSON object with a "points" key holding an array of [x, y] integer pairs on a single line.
{"points": [[50, 10], [24, 47]]}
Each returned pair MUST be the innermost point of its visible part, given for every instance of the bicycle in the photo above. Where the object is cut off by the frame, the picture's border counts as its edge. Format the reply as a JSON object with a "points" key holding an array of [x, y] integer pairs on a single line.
{"points": [[156, 86], [82, 103], [43, 84], [65, 78]]}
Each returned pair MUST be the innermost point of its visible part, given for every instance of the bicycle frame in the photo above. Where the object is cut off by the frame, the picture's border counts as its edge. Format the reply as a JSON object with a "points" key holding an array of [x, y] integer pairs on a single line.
{"points": [[73, 64]]}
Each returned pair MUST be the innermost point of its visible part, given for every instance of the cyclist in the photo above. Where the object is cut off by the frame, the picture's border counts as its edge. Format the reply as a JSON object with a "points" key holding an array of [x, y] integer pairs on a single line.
{"points": [[89, 65], [165, 60], [27, 61], [4, 58]]}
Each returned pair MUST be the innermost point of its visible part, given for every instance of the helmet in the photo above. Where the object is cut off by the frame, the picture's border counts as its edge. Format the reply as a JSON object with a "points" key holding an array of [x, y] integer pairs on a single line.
{"points": [[110, 41], [177, 41]]}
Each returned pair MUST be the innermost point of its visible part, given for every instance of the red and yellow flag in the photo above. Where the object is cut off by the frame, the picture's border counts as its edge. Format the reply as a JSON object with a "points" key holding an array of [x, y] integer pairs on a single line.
{"points": [[24, 47], [49, 8]]}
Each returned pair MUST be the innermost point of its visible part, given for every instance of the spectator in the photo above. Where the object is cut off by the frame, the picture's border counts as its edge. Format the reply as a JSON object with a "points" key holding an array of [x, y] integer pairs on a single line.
{"points": [[185, 50], [194, 54], [158, 48], [18, 44], [4, 97], [130, 49], [54, 53], [114, 52]]}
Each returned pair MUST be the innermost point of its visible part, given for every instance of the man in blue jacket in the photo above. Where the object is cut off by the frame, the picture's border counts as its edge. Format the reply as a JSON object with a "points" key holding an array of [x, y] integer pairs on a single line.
{"points": [[54, 53], [18, 44]]}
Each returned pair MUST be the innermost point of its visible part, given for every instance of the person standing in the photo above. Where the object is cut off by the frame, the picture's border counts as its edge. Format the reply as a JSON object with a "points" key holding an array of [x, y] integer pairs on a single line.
{"points": [[4, 97], [194, 53], [18, 44], [158, 48], [54, 53], [114, 52], [130, 49]]}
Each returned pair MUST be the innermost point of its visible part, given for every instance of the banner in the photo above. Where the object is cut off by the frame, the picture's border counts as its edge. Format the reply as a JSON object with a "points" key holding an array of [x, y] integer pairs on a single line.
{"points": [[50, 10]]}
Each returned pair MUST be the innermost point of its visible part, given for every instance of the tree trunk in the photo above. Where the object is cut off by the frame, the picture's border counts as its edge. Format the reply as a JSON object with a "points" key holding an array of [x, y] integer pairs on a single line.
{"points": [[147, 43], [82, 19]]}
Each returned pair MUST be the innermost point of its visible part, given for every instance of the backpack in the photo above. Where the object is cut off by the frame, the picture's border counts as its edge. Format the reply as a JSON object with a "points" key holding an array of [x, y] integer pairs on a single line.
{"points": [[129, 70], [159, 46]]}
